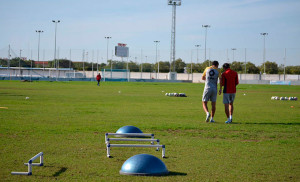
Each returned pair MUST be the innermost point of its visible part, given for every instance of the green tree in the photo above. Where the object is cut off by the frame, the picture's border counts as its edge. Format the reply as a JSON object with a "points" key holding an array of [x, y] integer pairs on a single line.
{"points": [[132, 66], [164, 67], [3, 62], [147, 67], [271, 67], [251, 68], [179, 65], [196, 68], [237, 66], [292, 70], [205, 64]]}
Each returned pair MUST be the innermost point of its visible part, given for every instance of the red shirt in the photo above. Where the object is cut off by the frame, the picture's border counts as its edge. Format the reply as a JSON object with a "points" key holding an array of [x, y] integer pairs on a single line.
{"points": [[230, 80], [98, 77]]}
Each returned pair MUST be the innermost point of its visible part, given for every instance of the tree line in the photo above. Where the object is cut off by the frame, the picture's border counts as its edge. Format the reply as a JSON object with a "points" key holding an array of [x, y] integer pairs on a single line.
{"points": [[164, 66]]}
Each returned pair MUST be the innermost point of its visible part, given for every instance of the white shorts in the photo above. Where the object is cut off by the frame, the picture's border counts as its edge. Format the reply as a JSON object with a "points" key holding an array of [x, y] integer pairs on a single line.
{"points": [[228, 98], [209, 95]]}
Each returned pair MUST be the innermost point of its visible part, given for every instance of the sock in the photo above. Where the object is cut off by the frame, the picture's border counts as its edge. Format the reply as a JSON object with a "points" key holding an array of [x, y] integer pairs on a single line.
{"points": [[230, 117], [207, 113], [212, 118]]}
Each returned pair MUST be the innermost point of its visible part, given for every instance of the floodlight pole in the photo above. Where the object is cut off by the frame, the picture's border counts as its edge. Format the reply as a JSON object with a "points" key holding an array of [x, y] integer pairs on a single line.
{"points": [[192, 64], [157, 74], [264, 52], [284, 63], [20, 62], [107, 56], [8, 61], [205, 26], [197, 46], [97, 61], [173, 3], [233, 49], [55, 61], [39, 32], [87, 60], [245, 60]]}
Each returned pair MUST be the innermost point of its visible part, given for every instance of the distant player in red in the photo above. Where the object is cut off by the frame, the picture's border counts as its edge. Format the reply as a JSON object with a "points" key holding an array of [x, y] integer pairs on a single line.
{"points": [[229, 80], [98, 78]]}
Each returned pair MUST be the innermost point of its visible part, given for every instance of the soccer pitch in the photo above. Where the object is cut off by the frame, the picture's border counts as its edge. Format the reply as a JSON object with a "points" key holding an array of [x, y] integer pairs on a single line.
{"points": [[67, 122]]}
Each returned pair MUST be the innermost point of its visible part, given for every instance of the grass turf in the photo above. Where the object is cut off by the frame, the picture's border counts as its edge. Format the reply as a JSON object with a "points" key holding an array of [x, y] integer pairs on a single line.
{"points": [[67, 121]]}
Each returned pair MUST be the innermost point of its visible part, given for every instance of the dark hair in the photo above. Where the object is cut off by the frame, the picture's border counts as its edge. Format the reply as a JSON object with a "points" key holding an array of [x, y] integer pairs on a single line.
{"points": [[216, 63], [226, 65]]}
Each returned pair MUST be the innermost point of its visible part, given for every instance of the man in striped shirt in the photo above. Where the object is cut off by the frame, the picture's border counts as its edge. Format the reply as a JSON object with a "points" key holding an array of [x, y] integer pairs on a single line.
{"points": [[229, 80]]}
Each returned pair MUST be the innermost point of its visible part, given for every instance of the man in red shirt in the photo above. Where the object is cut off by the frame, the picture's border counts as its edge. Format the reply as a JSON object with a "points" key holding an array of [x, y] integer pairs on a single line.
{"points": [[229, 80], [98, 78]]}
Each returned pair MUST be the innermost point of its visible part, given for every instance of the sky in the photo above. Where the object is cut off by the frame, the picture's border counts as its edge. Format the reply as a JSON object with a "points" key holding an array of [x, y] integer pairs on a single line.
{"points": [[138, 23]]}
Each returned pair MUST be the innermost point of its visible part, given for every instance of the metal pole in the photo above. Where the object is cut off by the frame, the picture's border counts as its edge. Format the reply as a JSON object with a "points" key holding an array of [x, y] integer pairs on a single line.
{"points": [[156, 42], [233, 49], [20, 62], [264, 51], [107, 56], [173, 3], [92, 65], [197, 47], [31, 67], [97, 61], [43, 59], [87, 60], [70, 59], [284, 63], [141, 63], [205, 26], [192, 64], [245, 60], [83, 57], [55, 47], [8, 62]]}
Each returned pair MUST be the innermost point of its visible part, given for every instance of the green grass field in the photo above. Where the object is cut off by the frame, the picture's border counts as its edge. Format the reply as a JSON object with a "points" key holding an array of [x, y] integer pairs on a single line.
{"points": [[67, 121]]}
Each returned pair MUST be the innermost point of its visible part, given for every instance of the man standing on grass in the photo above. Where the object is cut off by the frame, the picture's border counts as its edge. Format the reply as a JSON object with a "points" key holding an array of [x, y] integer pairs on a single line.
{"points": [[229, 80], [210, 92], [98, 78]]}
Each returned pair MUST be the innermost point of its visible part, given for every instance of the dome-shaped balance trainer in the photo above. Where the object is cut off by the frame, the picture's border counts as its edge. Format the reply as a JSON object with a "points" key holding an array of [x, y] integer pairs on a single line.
{"points": [[144, 165], [129, 129]]}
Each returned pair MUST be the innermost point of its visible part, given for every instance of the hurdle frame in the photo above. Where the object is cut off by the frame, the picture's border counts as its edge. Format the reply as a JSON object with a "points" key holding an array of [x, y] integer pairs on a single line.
{"points": [[130, 135], [30, 164], [108, 146]]}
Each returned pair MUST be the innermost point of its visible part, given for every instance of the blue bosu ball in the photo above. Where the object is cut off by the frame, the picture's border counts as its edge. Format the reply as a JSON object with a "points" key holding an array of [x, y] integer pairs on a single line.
{"points": [[129, 129], [145, 165]]}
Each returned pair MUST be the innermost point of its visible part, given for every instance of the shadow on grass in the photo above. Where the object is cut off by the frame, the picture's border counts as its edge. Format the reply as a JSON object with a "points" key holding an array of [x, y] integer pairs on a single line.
{"points": [[268, 123], [62, 170], [172, 173]]}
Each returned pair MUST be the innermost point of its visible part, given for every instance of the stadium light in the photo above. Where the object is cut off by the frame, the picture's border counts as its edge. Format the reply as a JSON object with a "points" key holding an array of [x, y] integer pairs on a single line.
{"points": [[156, 42], [205, 26], [39, 32], [197, 46], [233, 49], [173, 3], [264, 52], [20, 62], [107, 56], [55, 61]]}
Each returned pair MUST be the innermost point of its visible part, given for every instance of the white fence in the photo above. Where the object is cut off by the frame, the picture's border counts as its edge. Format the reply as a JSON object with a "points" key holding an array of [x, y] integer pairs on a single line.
{"points": [[195, 77]]}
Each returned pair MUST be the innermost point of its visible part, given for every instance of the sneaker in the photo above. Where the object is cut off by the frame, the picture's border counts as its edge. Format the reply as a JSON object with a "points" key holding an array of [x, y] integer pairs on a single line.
{"points": [[228, 121], [212, 121], [207, 117]]}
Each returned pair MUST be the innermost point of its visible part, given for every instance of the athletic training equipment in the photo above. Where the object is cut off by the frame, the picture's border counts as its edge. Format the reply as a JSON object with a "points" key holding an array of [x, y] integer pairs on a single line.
{"points": [[145, 165], [30, 164]]}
